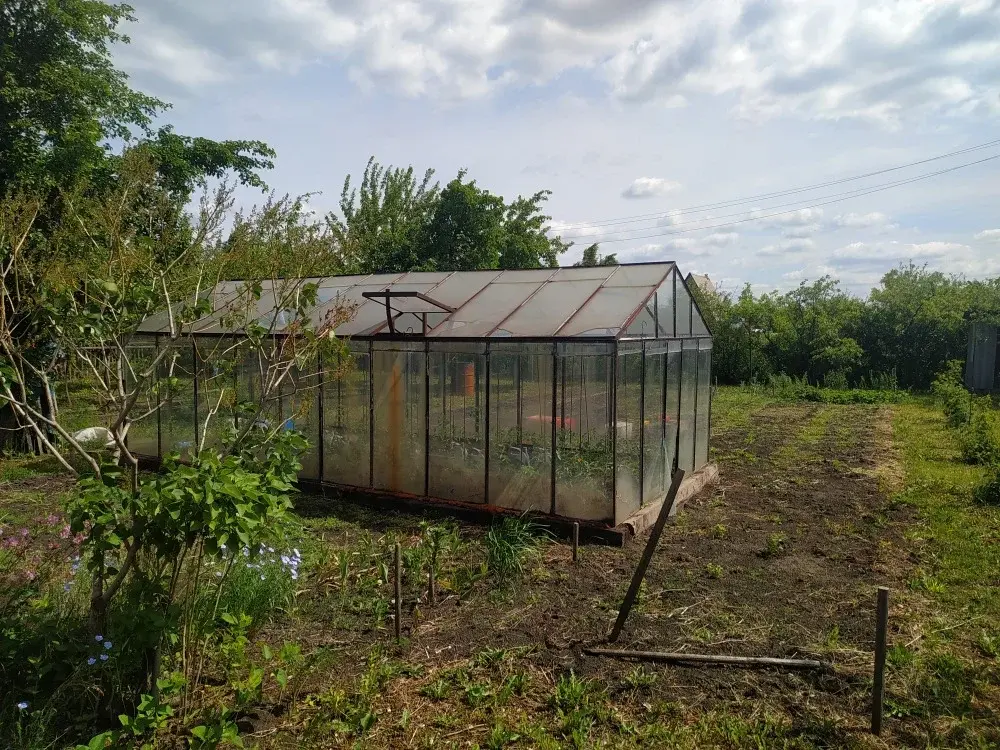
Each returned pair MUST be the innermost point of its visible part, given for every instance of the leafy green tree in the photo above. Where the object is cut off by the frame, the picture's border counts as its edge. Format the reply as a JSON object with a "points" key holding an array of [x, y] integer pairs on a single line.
{"points": [[592, 257], [62, 100], [381, 222], [525, 241], [809, 327], [466, 231], [915, 322], [60, 95]]}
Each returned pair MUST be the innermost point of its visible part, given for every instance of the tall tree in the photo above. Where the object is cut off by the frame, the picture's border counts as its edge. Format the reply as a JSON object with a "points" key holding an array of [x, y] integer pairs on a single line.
{"points": [[466, 231], [60, 94], [62, 100], [526, 242], [382, 220], [592, 257]]}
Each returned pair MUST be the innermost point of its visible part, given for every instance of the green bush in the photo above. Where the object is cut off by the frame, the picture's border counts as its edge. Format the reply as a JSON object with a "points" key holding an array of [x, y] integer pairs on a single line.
{"points": [[988, 493], [951, 394], [979, 438]]}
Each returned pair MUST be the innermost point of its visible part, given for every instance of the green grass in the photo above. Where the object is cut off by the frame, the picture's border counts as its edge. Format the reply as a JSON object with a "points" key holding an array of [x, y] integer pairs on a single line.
{"points": [[950, 680]]}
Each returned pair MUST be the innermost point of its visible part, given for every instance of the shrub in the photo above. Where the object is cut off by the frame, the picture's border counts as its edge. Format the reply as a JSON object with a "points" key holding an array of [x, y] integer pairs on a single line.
{"points": [[988, 493], [978, 439], [951, 394]]}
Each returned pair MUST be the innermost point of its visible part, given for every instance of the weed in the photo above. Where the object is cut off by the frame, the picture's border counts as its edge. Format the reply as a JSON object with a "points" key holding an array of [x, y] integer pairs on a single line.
{"points": [[508, 545], [491, 657], [516, 684], [478, 694], [437, 690], [832, 638], [719, 531], [640, 679], [500, 737], [989, 644], [715, 571], [775, 546], [978, 439], [900, 657], [571, 693]]}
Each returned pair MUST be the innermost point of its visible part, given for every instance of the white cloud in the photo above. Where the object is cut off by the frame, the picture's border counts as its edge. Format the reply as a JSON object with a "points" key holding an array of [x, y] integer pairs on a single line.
{"points": [[721, 239], [884, 254], [798, 218], [798, 233], [649, 187], [861, 221], [823, 59], [991, 235], [786, 247]]}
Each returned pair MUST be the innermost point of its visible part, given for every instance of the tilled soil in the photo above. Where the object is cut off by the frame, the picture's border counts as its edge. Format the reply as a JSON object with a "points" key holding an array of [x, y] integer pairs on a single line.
{"points": [[782, 559]]}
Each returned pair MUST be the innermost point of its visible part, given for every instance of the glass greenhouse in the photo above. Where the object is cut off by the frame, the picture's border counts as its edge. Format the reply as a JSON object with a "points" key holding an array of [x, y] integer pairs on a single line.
{"points": [[570, 392]]}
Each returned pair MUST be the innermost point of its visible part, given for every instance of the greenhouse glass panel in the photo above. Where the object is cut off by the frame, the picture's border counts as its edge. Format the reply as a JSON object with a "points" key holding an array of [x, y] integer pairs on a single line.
{"points": [[143, 432], [521, 417], [665, 308], [179, 420], [457, 409], [672, 404], [216, 389], [689, 387], [548, 308], [400, 426], [654, 445], [607, 312], [300, 411], [584, 456], [704, 402], [488, 309], [347, 417], [683, 309], [628, 428]]}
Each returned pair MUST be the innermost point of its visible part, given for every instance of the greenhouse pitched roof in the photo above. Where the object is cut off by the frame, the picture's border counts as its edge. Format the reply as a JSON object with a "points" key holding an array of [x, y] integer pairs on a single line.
{"points": [[538, 303]]}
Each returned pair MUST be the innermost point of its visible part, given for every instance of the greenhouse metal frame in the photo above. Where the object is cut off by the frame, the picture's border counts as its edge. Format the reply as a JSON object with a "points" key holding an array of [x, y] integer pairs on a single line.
{"points": [[571, 393]]}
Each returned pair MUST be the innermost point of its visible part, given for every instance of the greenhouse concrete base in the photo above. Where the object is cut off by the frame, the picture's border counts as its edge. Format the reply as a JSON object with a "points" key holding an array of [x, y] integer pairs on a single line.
{"points": [[640, 521]]}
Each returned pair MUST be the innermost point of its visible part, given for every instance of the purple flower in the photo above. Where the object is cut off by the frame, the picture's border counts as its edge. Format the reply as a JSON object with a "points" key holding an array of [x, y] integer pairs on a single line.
{"points": [[104, 657], [67, 586], [108, 645], [22, 705], [91, 661], [25, 533], [98, 638]]}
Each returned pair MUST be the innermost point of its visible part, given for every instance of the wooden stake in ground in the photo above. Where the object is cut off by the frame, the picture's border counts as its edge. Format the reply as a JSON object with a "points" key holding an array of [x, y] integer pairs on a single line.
{"points": [[647, 555], [878, 689], [431, 585], [743, 661], [576, 541], [398, 586]]}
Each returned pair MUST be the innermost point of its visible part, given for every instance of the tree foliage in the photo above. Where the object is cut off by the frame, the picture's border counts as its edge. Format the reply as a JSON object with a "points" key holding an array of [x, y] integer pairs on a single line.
{"points": [[394, 223], [909, 328], [592, 257]]}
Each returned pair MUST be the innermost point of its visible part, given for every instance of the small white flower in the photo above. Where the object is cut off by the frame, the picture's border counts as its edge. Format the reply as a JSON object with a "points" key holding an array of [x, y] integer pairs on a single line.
{"points": [[22, 705]]}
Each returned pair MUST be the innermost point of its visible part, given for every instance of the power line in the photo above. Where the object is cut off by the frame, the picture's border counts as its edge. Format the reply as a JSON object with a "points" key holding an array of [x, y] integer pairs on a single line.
{"points": [[853, 194], [776, 194]]}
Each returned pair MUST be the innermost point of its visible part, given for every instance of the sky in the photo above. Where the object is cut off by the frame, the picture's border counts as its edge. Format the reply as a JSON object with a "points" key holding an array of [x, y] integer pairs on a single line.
{"points": [[632, 112]]}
